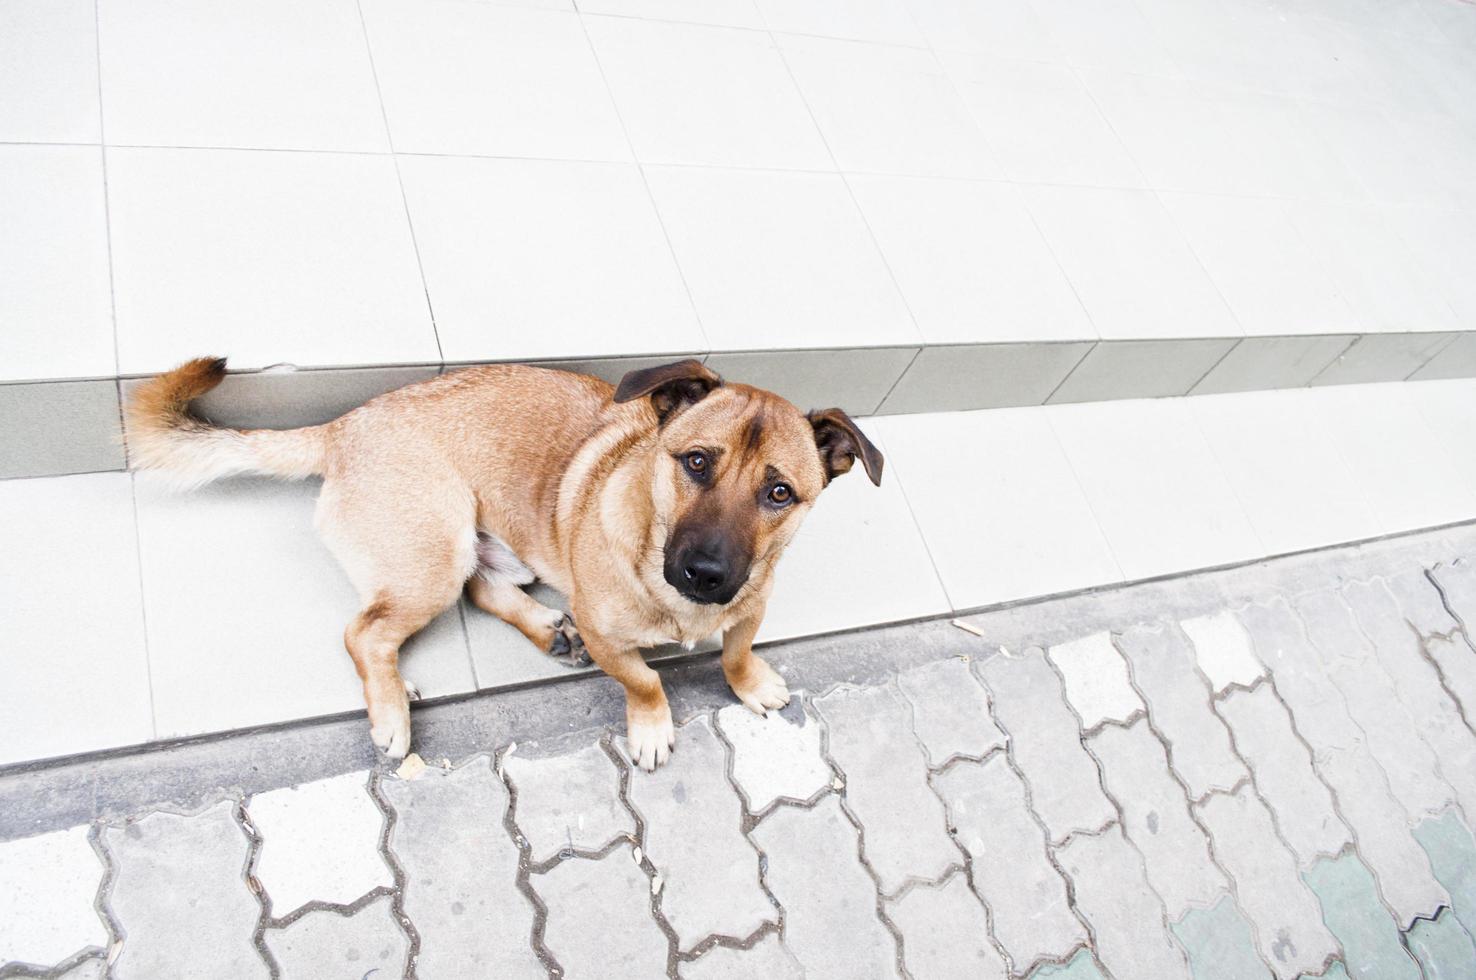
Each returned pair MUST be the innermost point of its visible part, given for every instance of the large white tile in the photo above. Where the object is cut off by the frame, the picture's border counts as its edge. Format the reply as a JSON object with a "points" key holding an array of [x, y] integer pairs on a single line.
{"points": [[1007, 28], [779, 260], [888, 109], [545, 258], [1105, 34], [299, 258], [1392, 155], [48, 72], [246, 612], [1041, 122], [1294, 486], [724, 13], [1002, 514], [1405, 471], [882, 21], [56, 305], [1373, 268], [1163, 501], [1449, 409], [1442, 243], [1272, 280], [284, 74], [76, 668], [969, 260], [736, 104], [1129, 263], [863, 543], [475, 78]]}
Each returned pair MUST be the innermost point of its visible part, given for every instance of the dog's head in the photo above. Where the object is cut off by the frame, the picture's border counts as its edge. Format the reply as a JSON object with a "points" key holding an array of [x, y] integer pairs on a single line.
{"points": [[736, 470]]}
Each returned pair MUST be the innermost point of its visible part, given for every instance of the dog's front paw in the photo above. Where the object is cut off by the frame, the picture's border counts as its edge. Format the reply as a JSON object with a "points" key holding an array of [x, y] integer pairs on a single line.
{"points": [[389, 730], [567, 642], [649, 737], [761, 688]]}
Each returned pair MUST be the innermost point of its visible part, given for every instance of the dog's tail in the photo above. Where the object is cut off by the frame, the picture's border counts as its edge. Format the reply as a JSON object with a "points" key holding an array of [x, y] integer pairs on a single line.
{"points": [[188, 451]]}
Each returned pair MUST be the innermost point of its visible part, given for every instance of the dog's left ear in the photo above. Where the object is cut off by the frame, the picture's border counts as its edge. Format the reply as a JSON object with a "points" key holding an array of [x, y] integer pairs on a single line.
{"points": [[840, 441], [671, 386]]}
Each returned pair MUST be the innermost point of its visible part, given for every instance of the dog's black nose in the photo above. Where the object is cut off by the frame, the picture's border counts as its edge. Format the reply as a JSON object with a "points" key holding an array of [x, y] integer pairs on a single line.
{"points": [[704, 575]]}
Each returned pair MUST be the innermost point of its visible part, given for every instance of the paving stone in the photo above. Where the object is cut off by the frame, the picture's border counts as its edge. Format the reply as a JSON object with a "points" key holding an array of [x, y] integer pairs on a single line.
{"points": [[1352, 910], [1443, 947], [1457, 663], [1126, 916], [1420, 602], [694, 838], [1156, 818], [768, 958], [1079, 967], [950, 711], [1453, 856], [1025, 893], [1335, 972], [1045, 741], [461, 871], [1431, 710], [599, 918], [323, 945], [1165, 670], [1284, 775], [569, 801], [319, 841], [1389, 732], [94, 968], [1285, 916], [1343, 762], [1223, 650], [46, 903], [1457, 660], [830, 905], [945, 933], [775, 756], [180, 895], [1096, 680], [905, 828], [1219, 943], [1457, 582]]}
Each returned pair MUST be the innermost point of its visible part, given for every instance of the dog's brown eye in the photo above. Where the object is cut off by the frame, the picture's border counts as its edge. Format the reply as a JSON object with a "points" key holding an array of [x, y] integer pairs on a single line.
{"points": [[781, 494], [696, 462]]}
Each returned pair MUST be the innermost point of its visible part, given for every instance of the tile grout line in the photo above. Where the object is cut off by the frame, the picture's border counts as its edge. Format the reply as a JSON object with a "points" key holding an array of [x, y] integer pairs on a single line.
{"points": [[143, 605], [922, 536], [1081, 489]]}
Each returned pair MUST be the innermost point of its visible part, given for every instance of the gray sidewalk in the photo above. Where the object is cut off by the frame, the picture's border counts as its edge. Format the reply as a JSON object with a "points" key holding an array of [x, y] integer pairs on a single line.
{"points": [[1264, 771]]}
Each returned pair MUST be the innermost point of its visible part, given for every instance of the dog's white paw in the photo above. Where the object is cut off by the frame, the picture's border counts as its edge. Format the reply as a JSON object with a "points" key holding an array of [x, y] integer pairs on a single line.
{"points": [[392, 735], [649, 738], [763, 688]]}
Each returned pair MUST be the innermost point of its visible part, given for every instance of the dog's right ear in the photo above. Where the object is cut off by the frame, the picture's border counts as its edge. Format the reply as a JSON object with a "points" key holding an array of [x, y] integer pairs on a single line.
{"points": [[671, 386]]}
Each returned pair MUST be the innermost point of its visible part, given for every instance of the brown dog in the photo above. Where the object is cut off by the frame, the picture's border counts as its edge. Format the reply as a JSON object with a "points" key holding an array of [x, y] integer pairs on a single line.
{"points": [[658, 507]]}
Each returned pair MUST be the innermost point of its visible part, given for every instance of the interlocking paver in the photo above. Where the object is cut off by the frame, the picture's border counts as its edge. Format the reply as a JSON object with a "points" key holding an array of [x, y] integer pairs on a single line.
{"points": [[319, 841], [1420, 602], [1389, 733], [775, 756], [1452, 853], [1156, 818], [181, 897], [1457, 663], [1026, 894], [950, 711], [1079, 967], [1432, 712], [1443, 947], [327, 944], [461, 872], [93, 968], [1218, 942], [1045, 741], [1353, 912], [694, 838], [768, 958], [1284, 915], [1096, 680], [1457, 660], [1457, 582], [830, 904], [905, 832], [46, 902], [945, 933], [1344, 763], [1126, 917], [1223, 650], [599, 918], [1284, 775], [568, 801], [1164, 669]]}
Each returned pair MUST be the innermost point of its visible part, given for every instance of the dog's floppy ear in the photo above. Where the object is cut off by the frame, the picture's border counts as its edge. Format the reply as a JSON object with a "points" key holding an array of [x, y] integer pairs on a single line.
{"points": [[671, 386], [840, 441]]}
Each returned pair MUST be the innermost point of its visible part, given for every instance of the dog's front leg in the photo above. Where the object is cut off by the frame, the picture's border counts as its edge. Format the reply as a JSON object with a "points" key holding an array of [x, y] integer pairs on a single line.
{"points": [[756, 683], [649, 733]]}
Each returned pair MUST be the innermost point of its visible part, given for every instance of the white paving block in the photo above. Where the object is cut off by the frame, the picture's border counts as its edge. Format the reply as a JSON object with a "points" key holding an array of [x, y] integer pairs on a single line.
{"points": [[1223, 649], [319, 841], [774, 756], [46, 903], [1096, 679]]}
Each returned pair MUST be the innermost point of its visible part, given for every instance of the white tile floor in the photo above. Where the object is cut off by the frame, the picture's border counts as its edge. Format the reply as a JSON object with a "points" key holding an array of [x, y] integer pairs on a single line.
{"points": [[239, 616]]}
